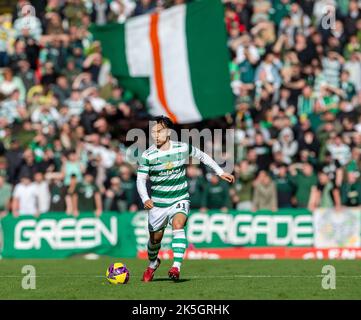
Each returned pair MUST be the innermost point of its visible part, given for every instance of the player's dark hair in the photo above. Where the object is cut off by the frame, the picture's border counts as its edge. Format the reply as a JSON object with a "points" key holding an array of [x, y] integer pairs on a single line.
{"points": [[165, 121]]}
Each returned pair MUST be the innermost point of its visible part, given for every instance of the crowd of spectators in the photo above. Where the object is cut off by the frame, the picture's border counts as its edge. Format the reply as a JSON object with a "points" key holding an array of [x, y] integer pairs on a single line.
{"points": [[295, 72]]}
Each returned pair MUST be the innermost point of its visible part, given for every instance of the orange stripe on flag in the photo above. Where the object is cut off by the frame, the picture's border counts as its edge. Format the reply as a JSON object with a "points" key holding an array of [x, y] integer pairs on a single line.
{"points": [[157, 61]]}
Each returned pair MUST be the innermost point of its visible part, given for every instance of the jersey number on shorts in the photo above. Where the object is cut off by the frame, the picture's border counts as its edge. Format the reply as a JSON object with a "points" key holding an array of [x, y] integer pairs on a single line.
{"points": [[181, 205]]}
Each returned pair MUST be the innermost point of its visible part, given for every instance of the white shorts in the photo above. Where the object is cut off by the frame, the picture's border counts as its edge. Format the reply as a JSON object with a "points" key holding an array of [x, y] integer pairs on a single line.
{"points": [[158, 218]]}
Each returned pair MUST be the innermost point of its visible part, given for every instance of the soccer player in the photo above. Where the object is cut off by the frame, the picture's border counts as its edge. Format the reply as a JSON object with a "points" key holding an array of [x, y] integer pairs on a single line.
{"points": [[164, 163]]}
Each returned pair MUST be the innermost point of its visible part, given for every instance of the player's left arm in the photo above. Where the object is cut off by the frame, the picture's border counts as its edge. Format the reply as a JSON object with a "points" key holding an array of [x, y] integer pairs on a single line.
{"points": [[208, 161]]}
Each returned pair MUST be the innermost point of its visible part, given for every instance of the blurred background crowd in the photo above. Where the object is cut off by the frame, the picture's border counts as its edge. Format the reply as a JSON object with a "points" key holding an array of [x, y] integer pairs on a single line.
{"points": [[295, 72]]}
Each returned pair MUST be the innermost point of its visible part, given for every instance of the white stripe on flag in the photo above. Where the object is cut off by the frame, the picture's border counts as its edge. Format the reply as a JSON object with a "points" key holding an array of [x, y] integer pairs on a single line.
{"points": [[155, 107], [175, 64], [138, 48], [175, 67], [140, 57]]}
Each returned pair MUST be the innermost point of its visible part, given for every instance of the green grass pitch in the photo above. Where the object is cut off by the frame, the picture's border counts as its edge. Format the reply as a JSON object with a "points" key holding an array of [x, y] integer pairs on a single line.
{"points": [[77, 278]]}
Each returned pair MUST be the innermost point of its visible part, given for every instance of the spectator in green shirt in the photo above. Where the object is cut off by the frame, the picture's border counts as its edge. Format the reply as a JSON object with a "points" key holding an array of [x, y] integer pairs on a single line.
{"points": [[349, 90], [324, 194], [5, 196], [241, 192], [115, 197], [280, 9], [303, 179], [87, 197], [58, 193], [129, 186], [216, 195], [39, 145], [284, 186], [351, 190], [355, 162], [305, 102]]}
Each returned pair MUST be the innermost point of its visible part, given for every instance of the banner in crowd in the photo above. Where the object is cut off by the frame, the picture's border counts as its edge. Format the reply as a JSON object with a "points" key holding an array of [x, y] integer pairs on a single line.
{"points": [[176, 59], [218, 230], [337, 229], [213, 235]]}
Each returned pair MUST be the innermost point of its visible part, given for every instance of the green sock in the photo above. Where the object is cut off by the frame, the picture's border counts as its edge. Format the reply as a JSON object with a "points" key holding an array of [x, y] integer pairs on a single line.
{"points": [[153, 249], [179, 246]]}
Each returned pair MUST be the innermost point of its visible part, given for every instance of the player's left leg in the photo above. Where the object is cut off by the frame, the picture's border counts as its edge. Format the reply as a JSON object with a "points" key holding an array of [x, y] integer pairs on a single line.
{"points": [[179, 244]]}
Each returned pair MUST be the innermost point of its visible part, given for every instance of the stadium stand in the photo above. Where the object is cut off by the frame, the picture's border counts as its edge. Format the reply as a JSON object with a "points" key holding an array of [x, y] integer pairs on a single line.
{"points": [[297, 113]]}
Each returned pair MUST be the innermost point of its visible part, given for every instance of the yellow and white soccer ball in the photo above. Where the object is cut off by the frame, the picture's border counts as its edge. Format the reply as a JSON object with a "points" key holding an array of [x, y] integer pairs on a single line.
{"points": [[117, 273]]}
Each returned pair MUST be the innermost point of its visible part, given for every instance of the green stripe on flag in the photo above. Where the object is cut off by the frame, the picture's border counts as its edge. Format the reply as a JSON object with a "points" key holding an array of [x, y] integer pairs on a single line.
{"points": [[208, 58], [112, 38]]}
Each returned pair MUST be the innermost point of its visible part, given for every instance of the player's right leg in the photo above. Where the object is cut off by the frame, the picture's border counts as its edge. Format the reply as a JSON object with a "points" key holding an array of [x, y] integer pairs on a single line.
{"points": [[157, 222], [155, 239]]}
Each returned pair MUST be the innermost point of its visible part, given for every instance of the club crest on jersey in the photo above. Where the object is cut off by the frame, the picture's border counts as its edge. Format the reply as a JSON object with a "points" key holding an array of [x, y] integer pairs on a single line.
{"points": [[169, 165]]}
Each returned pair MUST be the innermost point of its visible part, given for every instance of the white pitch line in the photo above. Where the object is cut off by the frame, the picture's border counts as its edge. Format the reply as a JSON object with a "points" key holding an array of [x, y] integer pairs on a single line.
{"points": [[268, 276], [54, 276], [187, 277]]}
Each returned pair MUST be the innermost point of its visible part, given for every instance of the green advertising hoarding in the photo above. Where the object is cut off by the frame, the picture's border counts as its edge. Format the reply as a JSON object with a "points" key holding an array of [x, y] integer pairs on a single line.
{"points": [[56, 235]]}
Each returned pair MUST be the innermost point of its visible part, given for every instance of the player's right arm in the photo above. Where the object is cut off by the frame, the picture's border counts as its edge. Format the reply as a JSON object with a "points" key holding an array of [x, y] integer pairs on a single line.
{"points": [[142, 175]]}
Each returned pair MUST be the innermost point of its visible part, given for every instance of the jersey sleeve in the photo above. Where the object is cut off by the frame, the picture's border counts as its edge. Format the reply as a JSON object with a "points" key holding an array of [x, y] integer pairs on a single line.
{"points": [[142, 174], [143, 168], [205, 158]]}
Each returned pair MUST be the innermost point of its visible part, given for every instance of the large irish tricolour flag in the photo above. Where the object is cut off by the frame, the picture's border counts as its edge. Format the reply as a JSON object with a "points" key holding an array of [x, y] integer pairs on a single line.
{"points": [[176, 59]]}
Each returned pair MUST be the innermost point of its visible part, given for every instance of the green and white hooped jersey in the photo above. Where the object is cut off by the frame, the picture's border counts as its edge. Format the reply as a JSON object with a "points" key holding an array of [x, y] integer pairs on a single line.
{"points": [[167, 172]]}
